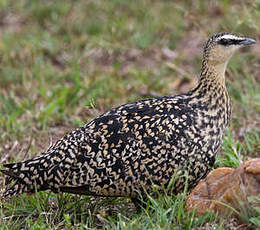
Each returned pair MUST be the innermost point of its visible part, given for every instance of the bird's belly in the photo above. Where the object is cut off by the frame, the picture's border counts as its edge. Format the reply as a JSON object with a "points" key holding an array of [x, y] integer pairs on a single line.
{"points": [[160, 170], [155, 161], [175, 165]]}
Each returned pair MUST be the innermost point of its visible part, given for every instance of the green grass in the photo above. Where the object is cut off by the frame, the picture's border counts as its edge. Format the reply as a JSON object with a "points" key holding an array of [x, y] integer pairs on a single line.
{"points": [[65, 62]]}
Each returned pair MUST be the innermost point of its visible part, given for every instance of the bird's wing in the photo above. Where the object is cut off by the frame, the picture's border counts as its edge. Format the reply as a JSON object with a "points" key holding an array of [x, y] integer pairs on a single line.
{"points": [[116, 142]]}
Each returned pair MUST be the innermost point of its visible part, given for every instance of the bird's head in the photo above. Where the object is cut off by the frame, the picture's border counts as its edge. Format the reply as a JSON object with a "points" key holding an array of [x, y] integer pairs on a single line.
{"points": [[220, 47]]}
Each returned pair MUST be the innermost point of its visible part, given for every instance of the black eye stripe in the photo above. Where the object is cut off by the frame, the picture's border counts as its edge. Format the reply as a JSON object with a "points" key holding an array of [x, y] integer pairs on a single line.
{"points": [[227, 42]]}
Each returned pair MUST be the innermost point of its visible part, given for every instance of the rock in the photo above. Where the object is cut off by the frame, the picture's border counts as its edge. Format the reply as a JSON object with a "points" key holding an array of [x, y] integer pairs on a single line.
{"points": [[226, 189]]}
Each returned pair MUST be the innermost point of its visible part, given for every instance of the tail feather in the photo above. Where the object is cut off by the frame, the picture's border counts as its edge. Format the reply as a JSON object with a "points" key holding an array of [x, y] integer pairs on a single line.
{"points": [[40, 173], [10, 173], [14, 185], [14, 190], [26, 176]]}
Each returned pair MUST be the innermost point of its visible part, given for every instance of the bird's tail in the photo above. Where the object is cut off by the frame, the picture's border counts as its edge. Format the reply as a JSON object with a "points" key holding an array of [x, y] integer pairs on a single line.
{"points": [[27, 176]]}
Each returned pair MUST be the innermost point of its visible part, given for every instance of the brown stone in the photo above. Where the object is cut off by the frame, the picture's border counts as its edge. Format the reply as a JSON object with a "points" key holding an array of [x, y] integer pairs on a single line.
{"points": [[225, 190]]}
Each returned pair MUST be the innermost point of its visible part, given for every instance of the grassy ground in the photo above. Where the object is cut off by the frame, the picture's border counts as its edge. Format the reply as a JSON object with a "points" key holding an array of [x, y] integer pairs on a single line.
{"points": [[64, 62]]}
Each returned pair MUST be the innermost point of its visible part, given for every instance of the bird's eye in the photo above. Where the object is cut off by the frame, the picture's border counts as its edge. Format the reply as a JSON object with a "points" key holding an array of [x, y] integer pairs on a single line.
{"points": [[224, 42]]}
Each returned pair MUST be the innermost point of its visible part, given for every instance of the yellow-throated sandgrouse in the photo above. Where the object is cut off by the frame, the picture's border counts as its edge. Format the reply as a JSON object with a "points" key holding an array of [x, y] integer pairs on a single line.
{"points": [[128, 149]]}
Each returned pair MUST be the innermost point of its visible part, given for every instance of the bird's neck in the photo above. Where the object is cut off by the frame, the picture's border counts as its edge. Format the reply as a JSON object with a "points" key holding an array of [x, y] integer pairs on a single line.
{"points": [[212, 72], [212, 78], [211, 93]]}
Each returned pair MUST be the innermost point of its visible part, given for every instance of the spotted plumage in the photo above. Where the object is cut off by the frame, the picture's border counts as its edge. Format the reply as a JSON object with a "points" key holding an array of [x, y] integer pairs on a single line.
{"points": [[128, 149]]}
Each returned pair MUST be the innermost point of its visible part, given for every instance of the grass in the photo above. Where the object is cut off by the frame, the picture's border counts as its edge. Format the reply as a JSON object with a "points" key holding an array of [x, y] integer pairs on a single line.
{"points": [[63, 63]]}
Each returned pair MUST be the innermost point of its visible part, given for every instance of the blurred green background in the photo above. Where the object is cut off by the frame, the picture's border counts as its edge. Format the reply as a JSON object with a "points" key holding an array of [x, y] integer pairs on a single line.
{"points": [[64, 62]]}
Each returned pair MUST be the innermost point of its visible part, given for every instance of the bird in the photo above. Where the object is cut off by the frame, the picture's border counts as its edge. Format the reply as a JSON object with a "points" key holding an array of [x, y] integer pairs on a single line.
{"points": [[128, 150]]}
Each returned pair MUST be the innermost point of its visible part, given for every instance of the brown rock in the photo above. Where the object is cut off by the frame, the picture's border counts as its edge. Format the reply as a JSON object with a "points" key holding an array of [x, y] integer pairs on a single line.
{"points": [[225, 190]]}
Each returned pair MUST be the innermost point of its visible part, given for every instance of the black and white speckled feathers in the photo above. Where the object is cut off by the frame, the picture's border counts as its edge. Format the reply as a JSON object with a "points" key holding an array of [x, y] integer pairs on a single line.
{"points": [[126, 150]]}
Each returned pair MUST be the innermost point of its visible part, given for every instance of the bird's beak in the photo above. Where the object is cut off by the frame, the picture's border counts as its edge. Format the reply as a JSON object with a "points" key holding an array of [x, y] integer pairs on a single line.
{"points": [[247, 41]]}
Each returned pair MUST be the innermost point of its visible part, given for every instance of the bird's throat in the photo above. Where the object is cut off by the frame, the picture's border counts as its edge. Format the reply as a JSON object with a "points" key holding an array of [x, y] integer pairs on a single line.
{"points": [[211, 82], [213, 73]]}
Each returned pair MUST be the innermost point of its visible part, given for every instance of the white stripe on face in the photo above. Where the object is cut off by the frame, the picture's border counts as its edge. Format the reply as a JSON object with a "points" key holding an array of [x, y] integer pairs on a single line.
{"points": [[230, 37]]}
